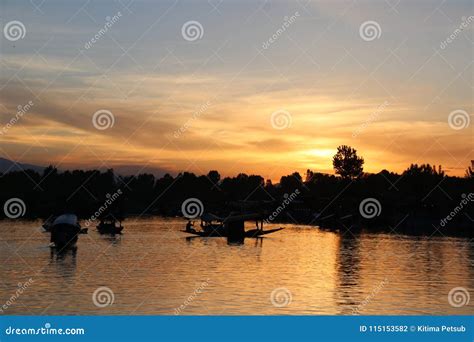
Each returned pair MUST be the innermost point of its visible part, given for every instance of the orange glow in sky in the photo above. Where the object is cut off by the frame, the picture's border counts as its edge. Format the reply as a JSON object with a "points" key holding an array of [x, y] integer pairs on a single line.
{"points": [[228, 102]]}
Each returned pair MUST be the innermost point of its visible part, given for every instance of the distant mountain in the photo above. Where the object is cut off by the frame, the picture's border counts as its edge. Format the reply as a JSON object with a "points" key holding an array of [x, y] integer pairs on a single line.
{"points": [[9, 166], [124, 170]]}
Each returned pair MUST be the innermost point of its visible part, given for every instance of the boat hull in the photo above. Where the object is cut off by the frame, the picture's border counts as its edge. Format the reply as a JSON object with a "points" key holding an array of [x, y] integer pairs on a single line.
{"points": [[64, 231], [106, 229], [64, 235], [250, 233]]}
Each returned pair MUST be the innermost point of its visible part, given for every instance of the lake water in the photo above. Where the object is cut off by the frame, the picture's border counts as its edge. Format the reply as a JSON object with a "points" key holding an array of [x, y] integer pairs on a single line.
{"points": [[153, 269]]}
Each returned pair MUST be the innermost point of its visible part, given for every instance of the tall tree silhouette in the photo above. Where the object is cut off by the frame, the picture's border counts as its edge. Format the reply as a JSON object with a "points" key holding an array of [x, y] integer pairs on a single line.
{"points": [[347, 163]]}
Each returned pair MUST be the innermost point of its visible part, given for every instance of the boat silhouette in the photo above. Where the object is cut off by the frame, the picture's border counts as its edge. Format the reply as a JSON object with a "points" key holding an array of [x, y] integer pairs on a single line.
{"points": [[108, 225], [232, 226], [65, 230]]}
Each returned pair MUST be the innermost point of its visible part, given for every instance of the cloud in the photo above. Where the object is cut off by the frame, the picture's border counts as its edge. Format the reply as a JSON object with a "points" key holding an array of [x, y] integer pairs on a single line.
{"points": [[330, 81]]}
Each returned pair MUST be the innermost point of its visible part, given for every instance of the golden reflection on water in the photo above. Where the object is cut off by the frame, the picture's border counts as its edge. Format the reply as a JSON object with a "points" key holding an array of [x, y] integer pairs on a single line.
{"points": [[154, 269]]}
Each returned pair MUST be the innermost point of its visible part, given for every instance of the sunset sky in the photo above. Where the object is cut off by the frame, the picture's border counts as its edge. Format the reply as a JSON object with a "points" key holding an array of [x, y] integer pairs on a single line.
{"points": [[200, 104]]}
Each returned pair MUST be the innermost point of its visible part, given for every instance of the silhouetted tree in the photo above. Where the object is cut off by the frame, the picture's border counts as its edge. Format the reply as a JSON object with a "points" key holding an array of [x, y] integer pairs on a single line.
{"points": [[423, 170], [214, 176], [347, 163], [289, 184]]}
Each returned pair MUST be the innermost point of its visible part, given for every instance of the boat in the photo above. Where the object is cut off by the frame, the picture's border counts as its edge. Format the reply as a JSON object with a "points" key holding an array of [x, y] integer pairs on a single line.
{"points": [[48, 225], [253, 233], [231, 227], [257, 232], [64, 231], [108, 225]]}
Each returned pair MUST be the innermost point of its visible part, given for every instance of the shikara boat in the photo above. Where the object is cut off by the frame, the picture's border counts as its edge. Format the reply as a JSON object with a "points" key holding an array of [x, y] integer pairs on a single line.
{"points": [[48, 225], [108, 225], [64, 231], [230, 227], [249, 233]]}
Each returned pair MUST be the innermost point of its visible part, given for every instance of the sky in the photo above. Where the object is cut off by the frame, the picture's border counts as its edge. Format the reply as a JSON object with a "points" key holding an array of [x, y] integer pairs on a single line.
{"points": [[260, 87]]}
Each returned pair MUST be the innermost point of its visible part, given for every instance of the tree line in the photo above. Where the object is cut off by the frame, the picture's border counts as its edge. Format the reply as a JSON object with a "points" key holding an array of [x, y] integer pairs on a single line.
{"points": [[420, 191]]}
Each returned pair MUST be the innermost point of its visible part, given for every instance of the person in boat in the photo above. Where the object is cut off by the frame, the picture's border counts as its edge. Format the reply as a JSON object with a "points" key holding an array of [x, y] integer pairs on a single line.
{"points": [[189, 226]]}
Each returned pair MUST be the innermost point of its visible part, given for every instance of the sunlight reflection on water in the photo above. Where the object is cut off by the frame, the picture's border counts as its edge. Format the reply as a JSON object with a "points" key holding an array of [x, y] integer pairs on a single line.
{"points": [[154, 269]]}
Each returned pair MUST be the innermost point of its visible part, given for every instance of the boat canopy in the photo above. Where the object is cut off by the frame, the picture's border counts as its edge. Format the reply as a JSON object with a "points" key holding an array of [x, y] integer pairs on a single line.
{"points": [[69, 219], [243, 217], [233, 217], [207, 217]]}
